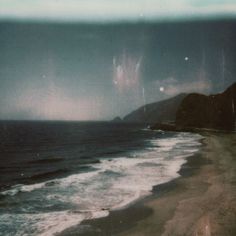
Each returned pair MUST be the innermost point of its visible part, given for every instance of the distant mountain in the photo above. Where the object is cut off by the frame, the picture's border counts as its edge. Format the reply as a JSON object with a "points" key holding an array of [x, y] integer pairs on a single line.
{"points": [[117, 119], [213, 112], [162, 111]]}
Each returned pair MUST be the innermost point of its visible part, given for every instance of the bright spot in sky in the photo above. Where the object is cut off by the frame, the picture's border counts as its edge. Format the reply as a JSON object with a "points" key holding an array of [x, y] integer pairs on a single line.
{"points": [[186, 58], [162, 89]]}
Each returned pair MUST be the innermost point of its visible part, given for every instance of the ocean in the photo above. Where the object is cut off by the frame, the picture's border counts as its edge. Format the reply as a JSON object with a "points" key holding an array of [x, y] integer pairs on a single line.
{"points": [[54, 175]]}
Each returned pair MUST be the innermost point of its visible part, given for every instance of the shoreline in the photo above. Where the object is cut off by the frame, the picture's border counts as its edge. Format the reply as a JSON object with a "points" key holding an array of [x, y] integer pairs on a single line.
{"points": [[200, 202], [203, 203], [120, 220]]}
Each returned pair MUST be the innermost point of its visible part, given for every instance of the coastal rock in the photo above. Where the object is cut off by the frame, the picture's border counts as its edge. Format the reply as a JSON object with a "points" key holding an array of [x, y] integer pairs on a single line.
{"points": [[212, 112], [173, 128], [164, 127]]}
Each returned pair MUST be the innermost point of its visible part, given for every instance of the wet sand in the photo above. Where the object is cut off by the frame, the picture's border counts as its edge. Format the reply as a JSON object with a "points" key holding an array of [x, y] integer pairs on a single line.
{"points": [[201, 202]]}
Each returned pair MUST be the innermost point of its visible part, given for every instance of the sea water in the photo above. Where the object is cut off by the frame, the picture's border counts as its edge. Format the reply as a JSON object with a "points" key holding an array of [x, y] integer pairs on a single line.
{"points": [[54, 175]]}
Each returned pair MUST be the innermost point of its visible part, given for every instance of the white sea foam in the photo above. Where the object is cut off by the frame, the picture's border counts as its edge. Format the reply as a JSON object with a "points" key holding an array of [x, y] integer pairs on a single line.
{"points": [[56, 222], [22, 188], [47, 224], [113, 184]]}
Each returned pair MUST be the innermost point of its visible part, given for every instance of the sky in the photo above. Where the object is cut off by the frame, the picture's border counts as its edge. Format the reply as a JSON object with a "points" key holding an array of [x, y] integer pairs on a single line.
{"points": [[98, 59], [114, 10]]}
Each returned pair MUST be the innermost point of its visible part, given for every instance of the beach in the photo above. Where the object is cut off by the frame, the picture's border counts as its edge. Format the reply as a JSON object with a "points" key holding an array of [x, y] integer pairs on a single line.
{"points": [[148, 183], [200, 202], [56, 183]]}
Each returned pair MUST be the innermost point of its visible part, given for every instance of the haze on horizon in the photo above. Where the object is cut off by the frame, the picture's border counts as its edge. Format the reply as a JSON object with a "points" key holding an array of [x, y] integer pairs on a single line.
{"points": [[143, 51]]}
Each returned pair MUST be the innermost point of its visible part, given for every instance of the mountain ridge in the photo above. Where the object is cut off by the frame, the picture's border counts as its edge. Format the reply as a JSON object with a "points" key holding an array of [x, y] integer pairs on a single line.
{"points": [[161, 111]]}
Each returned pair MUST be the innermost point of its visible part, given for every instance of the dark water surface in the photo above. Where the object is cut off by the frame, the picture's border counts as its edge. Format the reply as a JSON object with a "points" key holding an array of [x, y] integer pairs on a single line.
{"points": [[35, 151], [55, 175]]}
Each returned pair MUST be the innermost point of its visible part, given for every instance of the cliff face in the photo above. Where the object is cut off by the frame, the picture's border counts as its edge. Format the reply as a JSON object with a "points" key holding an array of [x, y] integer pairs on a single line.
{"points": [[163, 111], [214, 111]]}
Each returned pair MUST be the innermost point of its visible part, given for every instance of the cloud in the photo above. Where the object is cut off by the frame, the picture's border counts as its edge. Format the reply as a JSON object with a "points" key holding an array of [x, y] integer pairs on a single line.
{"points": [[107, 10], [172, 87]]}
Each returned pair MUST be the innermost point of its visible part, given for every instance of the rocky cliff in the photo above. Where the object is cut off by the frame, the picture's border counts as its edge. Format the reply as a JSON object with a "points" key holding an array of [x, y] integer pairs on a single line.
{"points": [[213, 112]]}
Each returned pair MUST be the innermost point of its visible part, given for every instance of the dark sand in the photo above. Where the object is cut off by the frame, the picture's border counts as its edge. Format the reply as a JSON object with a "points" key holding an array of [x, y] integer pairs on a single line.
{"points": [[201, 202]]}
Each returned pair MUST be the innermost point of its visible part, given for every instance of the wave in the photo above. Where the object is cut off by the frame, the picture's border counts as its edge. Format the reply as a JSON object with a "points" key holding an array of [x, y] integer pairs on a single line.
{"points": [[22, 188], [48, 174], [46, 160], [110, 184], [47, 224]]}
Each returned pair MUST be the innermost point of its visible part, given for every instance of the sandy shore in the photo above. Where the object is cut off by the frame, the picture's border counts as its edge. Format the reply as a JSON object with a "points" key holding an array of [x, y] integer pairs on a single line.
{"points": [[201, 202]]}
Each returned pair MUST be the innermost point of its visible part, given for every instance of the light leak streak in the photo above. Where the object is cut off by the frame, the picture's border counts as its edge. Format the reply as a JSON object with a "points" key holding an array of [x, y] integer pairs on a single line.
{"points": [[223, 66], [126, 73], [144, 100], [127, 81]]}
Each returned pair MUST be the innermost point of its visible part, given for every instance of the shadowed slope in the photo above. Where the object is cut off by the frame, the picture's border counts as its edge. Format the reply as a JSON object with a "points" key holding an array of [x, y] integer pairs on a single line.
{"points": [[213, 112], [163, 111]]}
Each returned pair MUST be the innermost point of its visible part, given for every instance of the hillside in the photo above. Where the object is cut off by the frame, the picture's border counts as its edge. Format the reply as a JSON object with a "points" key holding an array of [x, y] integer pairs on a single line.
{"points": [[162, 111], [214, 112]]}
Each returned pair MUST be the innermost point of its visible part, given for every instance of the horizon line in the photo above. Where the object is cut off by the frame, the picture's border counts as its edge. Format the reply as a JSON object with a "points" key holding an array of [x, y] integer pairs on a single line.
{"points": [[125, 20]]}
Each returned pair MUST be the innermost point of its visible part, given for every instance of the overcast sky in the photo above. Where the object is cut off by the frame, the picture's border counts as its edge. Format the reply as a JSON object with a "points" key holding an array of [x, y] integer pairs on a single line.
{"points": [[113, 10], [57, 70]]}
